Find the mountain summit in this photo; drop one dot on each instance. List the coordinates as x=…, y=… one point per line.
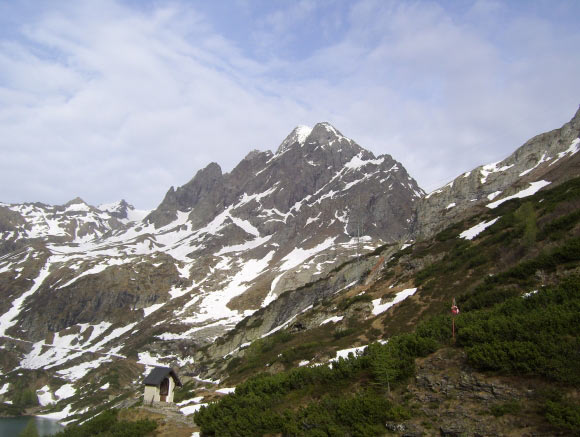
x=219, y=247
x=230, y=258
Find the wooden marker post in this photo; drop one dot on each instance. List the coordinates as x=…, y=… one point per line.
x=454, y=312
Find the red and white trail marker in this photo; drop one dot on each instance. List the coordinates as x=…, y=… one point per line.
x=454, y=312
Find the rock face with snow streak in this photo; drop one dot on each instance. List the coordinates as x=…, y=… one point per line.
x=551, y=156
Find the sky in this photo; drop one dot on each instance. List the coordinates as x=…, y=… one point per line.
x=112, y=99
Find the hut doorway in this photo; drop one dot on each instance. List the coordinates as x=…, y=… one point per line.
x=164, y=389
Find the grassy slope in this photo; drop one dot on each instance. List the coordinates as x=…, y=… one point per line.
x=534, y=246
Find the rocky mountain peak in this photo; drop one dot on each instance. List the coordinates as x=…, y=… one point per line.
x=123, y=211
x=77, y=205
x=206, y=185
x=324, y=133
x=321, y=135
x=75, y=201
x=297, y=136
x=254, y=154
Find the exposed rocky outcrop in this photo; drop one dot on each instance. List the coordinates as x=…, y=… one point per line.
x=455, y=400
x=531, y=162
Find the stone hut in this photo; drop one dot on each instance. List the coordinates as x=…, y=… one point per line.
x=160, y=385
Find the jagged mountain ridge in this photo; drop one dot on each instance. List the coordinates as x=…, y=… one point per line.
x=74, y=222
x=213, y=252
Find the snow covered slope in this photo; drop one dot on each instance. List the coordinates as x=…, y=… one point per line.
x=84, y=287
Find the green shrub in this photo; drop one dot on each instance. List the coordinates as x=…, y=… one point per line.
x=557, y=228
x=537, y=335
x=509, y=407
x=24, y=397
x=564, y=415
x=344, y=304
x=106, y=424
x=338, y=334
x=526, y=216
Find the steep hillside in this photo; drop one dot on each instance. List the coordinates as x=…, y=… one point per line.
x=86, y=288
x=290, y=260
x=515, y=271
x=550, y=157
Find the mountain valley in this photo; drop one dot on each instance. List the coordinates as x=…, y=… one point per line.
x=287, y=264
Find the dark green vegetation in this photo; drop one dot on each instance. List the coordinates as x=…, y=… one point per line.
x=30, y=430
x=535, y=245
x=107, y=424
x=185, y=392
x=535, y=335
x=260, y=405
x=23, y=396
x=515, y=337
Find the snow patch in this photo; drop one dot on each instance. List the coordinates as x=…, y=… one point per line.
x=75, y=373
x=357, y=162
x=530, y=191
x=344, y=353
x=572, y=150
x=302, y=133
x=149, y=310
x=313, y=219
x=334, y=319
x=299, y=255
x=379, y=308
x=114, y=334
x=526, y=295
x=8, y=319
x=488, y=169
x=44, y=396
x=65, y=392
x=214, y=305
x=59, y=415
x=226, y=390
x=195, y=400
x=474, y=231
x=190, y=409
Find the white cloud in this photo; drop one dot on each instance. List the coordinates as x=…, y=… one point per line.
x=104, y=101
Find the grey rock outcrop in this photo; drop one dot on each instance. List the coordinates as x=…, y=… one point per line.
x=533, y=161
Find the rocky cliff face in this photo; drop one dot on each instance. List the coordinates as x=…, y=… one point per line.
x=549, y=157
x=88, y=285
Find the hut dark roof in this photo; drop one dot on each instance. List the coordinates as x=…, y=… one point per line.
x=158, y=374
